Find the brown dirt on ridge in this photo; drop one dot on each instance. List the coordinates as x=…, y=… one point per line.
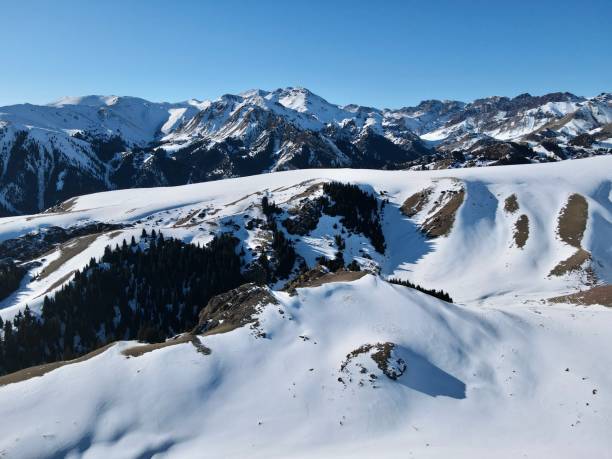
x=317, y=277
x=69, y=249
x=256, y=193
x=441, y=223
x=601, y=294
x=112, y=234
x=62, y=207
x=571, y=225
x=573, y=263
x=312, y=189
x=137, y=351
x=511, y=204
x=57, y=283
x=39, y=370
x=288, y=187
x=521, y=231
x=573, y=219
x=183, y=221
x=415, y=203
x=340, y=276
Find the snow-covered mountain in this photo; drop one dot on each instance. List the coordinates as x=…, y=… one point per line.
x=80, y=145
x=330, y=361
x=555, y=126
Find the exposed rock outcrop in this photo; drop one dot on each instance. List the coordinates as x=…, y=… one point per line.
x=234, y=309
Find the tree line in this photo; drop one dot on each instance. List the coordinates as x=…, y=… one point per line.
x=10, y=277
x=440, y=294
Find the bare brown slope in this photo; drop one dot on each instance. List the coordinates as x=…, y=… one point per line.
x=521, y=231
x=572, y=220
x=319, y=276
x=601, y=294
x=511, y=204
x=68, y=250
x=571, y=226
x=137, y=351
x=415, y=203
x=441, y=223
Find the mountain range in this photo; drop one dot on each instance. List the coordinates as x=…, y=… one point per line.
x=80, y=145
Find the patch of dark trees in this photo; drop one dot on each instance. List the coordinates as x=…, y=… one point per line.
x=359, y=212
x=284, y=255
x=34, y=244
x=355, y=220
x=104, y=147
x=337, y=263
x=149, y=291
x=305, y=218
x=440, y=294
x=10, y=277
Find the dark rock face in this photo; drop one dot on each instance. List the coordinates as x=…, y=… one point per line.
x=506, y=153
x=36, y=176
x=583, y=140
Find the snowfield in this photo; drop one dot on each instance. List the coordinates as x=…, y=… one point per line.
x=500, y=373
x=531, y=383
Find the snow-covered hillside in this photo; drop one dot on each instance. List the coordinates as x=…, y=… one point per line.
x=469, y=383
x=350, y=365
x=81, y=145
x=479, y=261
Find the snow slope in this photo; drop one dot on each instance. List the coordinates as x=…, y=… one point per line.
x=478, y=263
x=478, y=383
x=136, y=120
x=501, y=373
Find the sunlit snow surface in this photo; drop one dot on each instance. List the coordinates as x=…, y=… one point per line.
x=478, y=382
x=500, y=374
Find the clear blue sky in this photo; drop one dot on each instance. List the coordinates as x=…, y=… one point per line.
x=383, y=53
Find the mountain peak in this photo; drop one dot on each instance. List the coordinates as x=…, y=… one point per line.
x=299, y=99
x=89, y=101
